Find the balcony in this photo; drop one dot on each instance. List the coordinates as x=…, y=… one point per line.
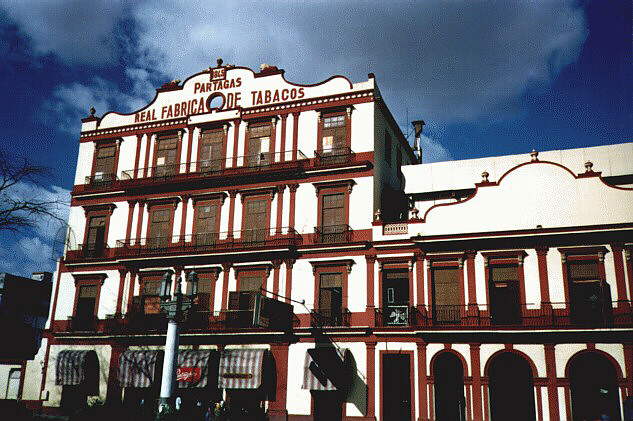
x=208, y=242
x=335, y=156
x=247, y=165
x=400, y=315
x=333, y=234
x=331, y=318
x=88, y=252
x=101, y=181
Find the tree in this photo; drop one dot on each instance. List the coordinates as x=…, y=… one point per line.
x=20, y=206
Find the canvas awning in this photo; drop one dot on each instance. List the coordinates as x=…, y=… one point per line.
x=138, y=368
x=195, y=366
x=75, y=367
x=241, y=368
x=325, y=369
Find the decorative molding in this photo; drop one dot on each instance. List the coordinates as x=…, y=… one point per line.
x=109, y=207
x=334, y=184
x=348, y=263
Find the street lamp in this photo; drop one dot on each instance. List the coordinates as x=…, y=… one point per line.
x=175, y=308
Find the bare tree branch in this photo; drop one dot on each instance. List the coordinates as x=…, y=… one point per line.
x=19, y=210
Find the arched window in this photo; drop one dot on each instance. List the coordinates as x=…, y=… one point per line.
x=594, y=387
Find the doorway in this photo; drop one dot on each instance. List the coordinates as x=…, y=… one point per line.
x=448, y=375
x=594, y=387
x=396, y=387
x=511, y=388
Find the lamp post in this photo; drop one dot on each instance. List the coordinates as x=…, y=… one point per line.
x=175, y=308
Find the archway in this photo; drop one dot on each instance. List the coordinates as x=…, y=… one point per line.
x=511, y=387
x=448, y=378
x=594, y=387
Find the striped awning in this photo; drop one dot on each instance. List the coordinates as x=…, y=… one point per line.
x=74, y=367
x=241, y=368
x=325, y=369
x=194, y=367
x=138, y=368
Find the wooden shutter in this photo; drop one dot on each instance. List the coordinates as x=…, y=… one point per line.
x=255, y=219
x=251, y=283
x=151, y=297
x=206, y=223
x=333, y=210
x=446, y=300
x=166, y=158
x=160, y=228
x=211, y=145
x=86, y=301
x=104, y=164
x=96, y=232
x=584, y=271
x=258, y=145
x=334, y=134
x=330, y=293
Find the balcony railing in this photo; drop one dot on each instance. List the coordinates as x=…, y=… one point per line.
x=101, y=181
x=333, y=234
x=262, y=162
x=210, y=241
x=88, y=251
x=334, y=156
x=399, y=315
x=330, y=317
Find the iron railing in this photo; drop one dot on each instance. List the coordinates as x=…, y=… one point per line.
x=102, y=181
x=88, y=251
x=334, y=156
x=210, y=241
x=331, y=317
x=333, y=234
x=396, y=315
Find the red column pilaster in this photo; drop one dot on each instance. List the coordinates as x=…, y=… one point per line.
x=190, y=131
x=419, y=274
x=472, y=285
x=119, y=299
x=236, y=138
x=183, y=218
x=139, y=226
x=628, y=367
x=541, y=253
x=113, y=394
x=282, y=146
x=422, y=382
x=225, y=285
x=371, y=260
x=476, y=376
x=462, y=281
x=130, y=215
x=289, y=265
x=280, y=204
x=276, y=266
x=130, y=293
x=148, y=146
x=137, y=154
x=371, y=379
x=295, y=135
x=629, y=270
x=277, y=407
x=232, y=195
x=293, y=194
x=552, y=381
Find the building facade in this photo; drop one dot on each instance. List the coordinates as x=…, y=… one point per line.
x=429, y=291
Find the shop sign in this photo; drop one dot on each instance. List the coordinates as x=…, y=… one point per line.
x=188, y=374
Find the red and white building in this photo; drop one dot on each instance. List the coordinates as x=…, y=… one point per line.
x=505, y=294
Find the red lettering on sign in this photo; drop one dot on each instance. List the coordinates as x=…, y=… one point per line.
x=188, y=374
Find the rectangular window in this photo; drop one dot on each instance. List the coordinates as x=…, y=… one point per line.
x=205, y=229
x=166, y=156
x=255, y=220
x=211, y=145
x=387, y=147
x=446, y=300
x=160, y=228
x=395, y=290
x=334, y=135
x=86, y=307
x=95, y=237
x=258, y=145
x=590, y=296
x=505, y=301
x=333, y=218
x=104, y=164
x=331, y=298
x=242, y=302
x=150, y=296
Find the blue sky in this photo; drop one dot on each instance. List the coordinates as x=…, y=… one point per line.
x=489, y=78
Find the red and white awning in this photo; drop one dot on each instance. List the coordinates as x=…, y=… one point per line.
x=138, y=368
x=74, y=367
x=241, y=368
x=325, y=369
x=194, y=367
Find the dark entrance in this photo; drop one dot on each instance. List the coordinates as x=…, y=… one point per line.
x=328, y=405
x=449, y=388
x=396, y=387
x=511, y=388
x=395, y=296
x=594, y=388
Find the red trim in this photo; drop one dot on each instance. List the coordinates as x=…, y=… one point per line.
x=183, y=216
x=148, y=146
x=225, y=285
x=628, y=366
x=130, y=216
x=411, y=385
x=139, y=223
x=470, y=268
x=613, y=361
x=289, y=265
x=280, y=202
x=370, y=260
x=514, y=351
x=95, y=280
x=236, y=137
x=276, y=265
x=190, y=130
x=232, y=195
x=119, y=299
x=282, y=146
x=419, y=268
x=137, y=154
x=371, y=378
x=293, y=199
x=277, y=406
x=552, y=386
x=629, y=269
x=113, y=390
x=475, y=368
x=295, y=134
x=541, y=253
x=130, y=293
x=422, y=382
